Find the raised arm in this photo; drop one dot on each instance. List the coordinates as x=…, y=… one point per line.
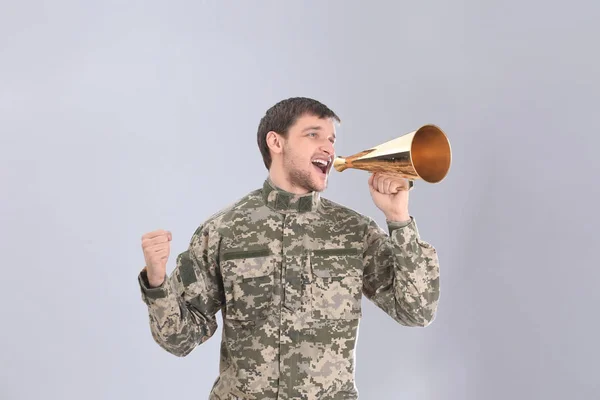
x=182, y=308
x=401, y=274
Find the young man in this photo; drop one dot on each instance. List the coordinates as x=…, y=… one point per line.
x=287, y=268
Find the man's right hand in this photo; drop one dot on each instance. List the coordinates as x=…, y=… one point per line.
x=157, y=247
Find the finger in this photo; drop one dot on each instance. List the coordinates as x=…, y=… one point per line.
x=374, y=180
x=153, y=234
x=381, y=185
x=160, y=253
x=160, y=256
x=156, y=240
x=400, y=185
x=383, y=181
x=157, y=247
x=389, y=185
x=156, y=233
x=149, y=252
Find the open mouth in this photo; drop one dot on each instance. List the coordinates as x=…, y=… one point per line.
x=321, y=164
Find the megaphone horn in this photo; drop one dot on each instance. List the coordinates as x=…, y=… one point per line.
x=423, y=154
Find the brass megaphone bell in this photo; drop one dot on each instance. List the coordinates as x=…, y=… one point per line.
x=422, y=154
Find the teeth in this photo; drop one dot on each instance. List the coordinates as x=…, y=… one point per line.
x=322, y=162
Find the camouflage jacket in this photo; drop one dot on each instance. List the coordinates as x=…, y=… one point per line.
x=288, y=274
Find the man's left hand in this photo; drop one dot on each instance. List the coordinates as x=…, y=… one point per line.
x=393, y=204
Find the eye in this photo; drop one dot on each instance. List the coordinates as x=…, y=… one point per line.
x=313, y=134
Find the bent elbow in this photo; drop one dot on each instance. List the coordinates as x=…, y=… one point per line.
x=426, y=321
x=178, y=350
x=422, y=321
x=420, y=317
x=428, y=314
x=179, y=345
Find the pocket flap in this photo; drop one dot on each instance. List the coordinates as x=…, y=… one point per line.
x=247, y=263
x=327, y=263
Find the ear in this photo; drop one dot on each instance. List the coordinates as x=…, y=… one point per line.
x=275, y=142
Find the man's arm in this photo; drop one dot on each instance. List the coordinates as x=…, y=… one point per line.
x=182, y=309
x=401, y=274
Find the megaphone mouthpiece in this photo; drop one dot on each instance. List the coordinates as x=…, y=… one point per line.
x=339, y=164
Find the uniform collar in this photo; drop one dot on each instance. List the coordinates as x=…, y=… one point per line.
x=283, y=201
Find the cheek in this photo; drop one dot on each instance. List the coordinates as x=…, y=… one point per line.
x=300, y=158
x=293, y=159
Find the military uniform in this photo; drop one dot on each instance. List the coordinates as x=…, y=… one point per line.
x=288, y=273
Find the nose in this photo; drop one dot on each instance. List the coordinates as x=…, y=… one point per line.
x=328, y=148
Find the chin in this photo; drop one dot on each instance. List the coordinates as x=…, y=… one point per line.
x=309, y=182
x=320, y=185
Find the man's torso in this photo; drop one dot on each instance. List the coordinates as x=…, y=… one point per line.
x=292, y=280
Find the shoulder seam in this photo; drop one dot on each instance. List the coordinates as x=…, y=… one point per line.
x=330, y=203
x=232, y=206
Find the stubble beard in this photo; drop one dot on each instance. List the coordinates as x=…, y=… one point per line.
x=299, y=177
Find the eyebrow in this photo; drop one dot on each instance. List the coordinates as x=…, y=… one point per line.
x=318, y=128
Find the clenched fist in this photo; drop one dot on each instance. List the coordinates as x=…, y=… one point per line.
x=390, y=194
x=157, y=247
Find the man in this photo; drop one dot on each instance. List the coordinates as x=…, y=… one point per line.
x=288, y=268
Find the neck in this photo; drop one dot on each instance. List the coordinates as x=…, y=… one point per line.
x=280, y=179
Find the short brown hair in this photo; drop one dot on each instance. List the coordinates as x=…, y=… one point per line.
x=283, y=115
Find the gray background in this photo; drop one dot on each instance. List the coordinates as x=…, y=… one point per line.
x=122, y=117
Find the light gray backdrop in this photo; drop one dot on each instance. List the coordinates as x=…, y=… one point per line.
x=122, y=117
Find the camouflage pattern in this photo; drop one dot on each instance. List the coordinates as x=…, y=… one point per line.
x=288, y=274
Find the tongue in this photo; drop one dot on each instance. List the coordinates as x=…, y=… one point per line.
x=319, y=167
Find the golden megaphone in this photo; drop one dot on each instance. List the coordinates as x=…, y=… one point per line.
x=422, y=154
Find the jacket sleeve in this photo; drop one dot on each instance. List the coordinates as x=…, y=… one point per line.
x=182, y=310
x=401, y=274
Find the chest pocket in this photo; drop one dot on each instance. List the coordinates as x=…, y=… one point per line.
x=248, y=282
x=336, y=283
